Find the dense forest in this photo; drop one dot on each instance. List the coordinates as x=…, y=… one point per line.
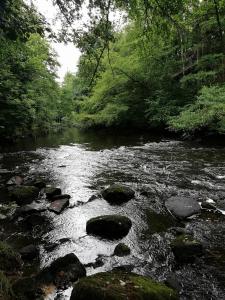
x=163, y=68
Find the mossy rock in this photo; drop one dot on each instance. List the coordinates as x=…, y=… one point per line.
x=10, y=261
x=185, y=248
x=122, y=250
x=121, y=286
x=159, y=222
x=117, y=194
x=110, y=227
x=24, y=194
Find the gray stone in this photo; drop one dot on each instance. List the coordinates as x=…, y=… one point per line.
x=182, y=207
x=59, y=205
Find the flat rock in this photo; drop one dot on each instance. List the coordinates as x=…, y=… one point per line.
x=30, y=209
x=182, y=207
x=60, y=197
x=120, y=286
x=58, y=206
x=118, y=194
x=52, y=191
x=110, y=227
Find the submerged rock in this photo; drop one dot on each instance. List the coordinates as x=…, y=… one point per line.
x=10, y=261
x=120, y=286
x=185, y=248
x=62, y=271
x=182, y=207
x=29, y=252
x=122, y=250
x=52, y=191
x=117, y=194
x=59, y=205
x=24, y=194
x=110, y=226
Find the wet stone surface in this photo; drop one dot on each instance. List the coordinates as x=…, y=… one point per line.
x=83, y=165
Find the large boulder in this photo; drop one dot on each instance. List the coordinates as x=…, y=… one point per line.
x=122, y=250
x=110, y=227
x=183, y=207
x=185, y=248
x=117, y=194
x=24, y=194
x=10, y=261
x=121, y=286
x=62, y=271
x=29, y=252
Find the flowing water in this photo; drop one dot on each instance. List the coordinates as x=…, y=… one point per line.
x=82, y=164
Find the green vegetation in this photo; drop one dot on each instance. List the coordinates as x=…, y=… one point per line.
x=161, y=69
x=10, y=261
x=5, y=287
x=164, y=69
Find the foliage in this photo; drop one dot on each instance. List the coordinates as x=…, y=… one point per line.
x=5, y=287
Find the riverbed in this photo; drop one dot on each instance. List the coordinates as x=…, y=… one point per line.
x=156, y=168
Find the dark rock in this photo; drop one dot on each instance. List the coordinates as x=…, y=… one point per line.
x=35, y=220
x=117, y=194
x=24, y=194
x=40, y=184
x=159, y=222
x=29, y=252
x=120, y=286
x=10, y=261
x=62, y=271
x=207, y=205
x=59, y=205
x=60, y=197
x=51, y=246
x=122, y=250
x=97, y=264
x=52, y=191
x=124, y=268
x=182, y=207
x=16, y=180
x=185, y=248
x=27, y=288
x=64, y=240
x=30, y=209
x=110, y=227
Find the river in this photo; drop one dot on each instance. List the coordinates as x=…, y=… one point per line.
x=82, y=164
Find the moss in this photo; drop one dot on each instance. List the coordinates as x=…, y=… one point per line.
x=9, y=259
x=158, y=222
x=5, y=287
x=117, y=194
x=121, y=286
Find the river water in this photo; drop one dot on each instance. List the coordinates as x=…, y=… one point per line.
x=82, y=164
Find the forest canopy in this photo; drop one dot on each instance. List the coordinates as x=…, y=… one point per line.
x=163, y=68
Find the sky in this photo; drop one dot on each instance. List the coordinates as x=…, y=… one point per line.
x=68, y=55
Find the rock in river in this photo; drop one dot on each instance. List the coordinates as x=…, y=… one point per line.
x=24, y=194
x=52, y=191
x=117, y=194
x=29, y=252
x=110, y=227
x=122, y=250
x=185, y=248
x=121, y=286
x=59, y=205
x=182, y=207
x=62, y=271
